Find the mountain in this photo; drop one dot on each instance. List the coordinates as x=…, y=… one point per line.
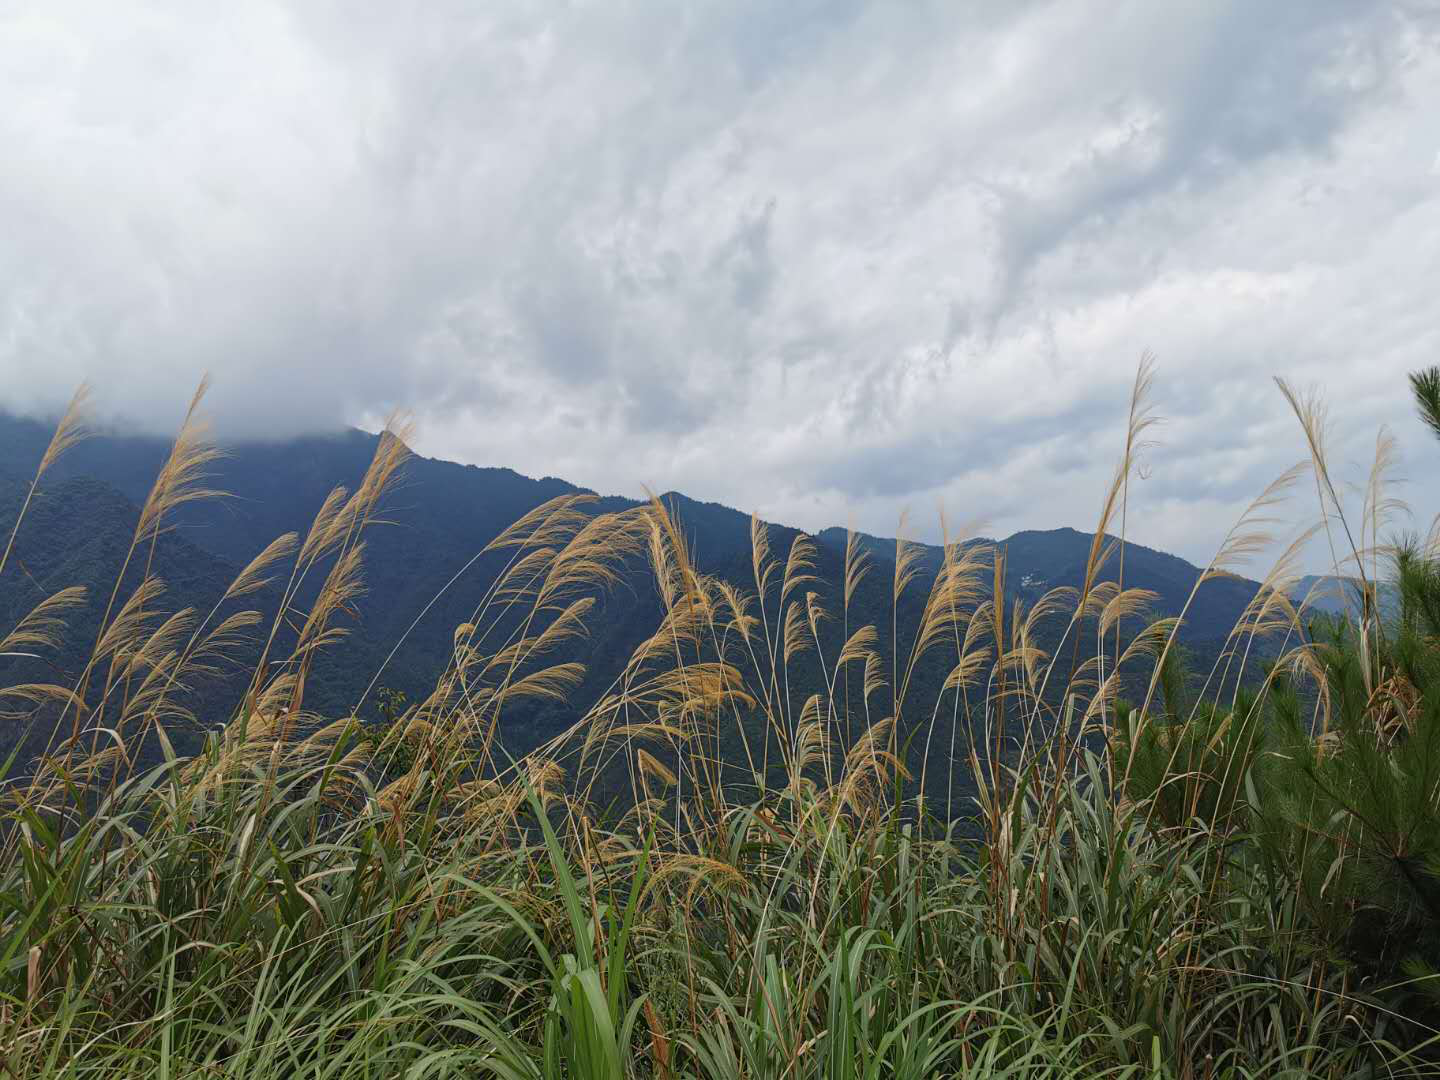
x=76, y=533
x=441, y=515
x=1341, y=596
x=1039, y=560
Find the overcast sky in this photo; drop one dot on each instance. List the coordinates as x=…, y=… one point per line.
x=824, y=261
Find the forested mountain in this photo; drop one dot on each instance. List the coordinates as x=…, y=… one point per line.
x=1039, y=560
x=438, y=517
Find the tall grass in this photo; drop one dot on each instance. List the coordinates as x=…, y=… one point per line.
x=301, y=900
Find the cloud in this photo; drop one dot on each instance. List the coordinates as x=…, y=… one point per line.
x=824, y=261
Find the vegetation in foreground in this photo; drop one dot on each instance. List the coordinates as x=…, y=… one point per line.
x=1221, y=877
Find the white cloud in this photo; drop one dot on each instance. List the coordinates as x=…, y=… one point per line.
x=818, y=260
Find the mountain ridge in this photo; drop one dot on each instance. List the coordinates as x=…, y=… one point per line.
x=278, y=484
x=28, y=437
x=444, y=513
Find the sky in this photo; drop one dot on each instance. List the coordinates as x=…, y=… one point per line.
x=827, y=262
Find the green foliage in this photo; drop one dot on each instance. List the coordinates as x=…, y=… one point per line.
x=1425, y=385
x=387, y=740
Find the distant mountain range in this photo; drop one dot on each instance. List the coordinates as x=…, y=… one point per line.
x=1341, y=596
x=444, y=513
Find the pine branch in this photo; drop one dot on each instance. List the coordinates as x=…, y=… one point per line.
x=1425, y=385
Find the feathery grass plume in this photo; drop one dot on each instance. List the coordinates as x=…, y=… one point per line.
x=1314, y=417
x=1425, y=388
x=811, y=745
x=651, y=767
x=43, y=626
x=951, y=606
x=796, y=640
x=335, y=533
x=566, y=624
x=815, y=614
x=72, y=429
x=761, y=561
x=870, y=767
x=1378, y=510
x=738, y=605
x=1141, y=419
x=907, y=557
x=122, y=634
x=323, y=525
x=799, y=565
x=1253, y=532
x=1125, y=603
x=874, y=676
x=857, y=565
x=343, y=586
x=972, y=663
x=254, y=577
x=182, y=477
x=954, y=595
x=1270, y=614
x=860, y=645
x=1249, y=535
x=1134, y=448
x=37, y=694
x=545, y=525
x=179, y=481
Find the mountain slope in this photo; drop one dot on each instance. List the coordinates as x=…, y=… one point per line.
x=77, y=533
x=422, y=568
x=1039, y=560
